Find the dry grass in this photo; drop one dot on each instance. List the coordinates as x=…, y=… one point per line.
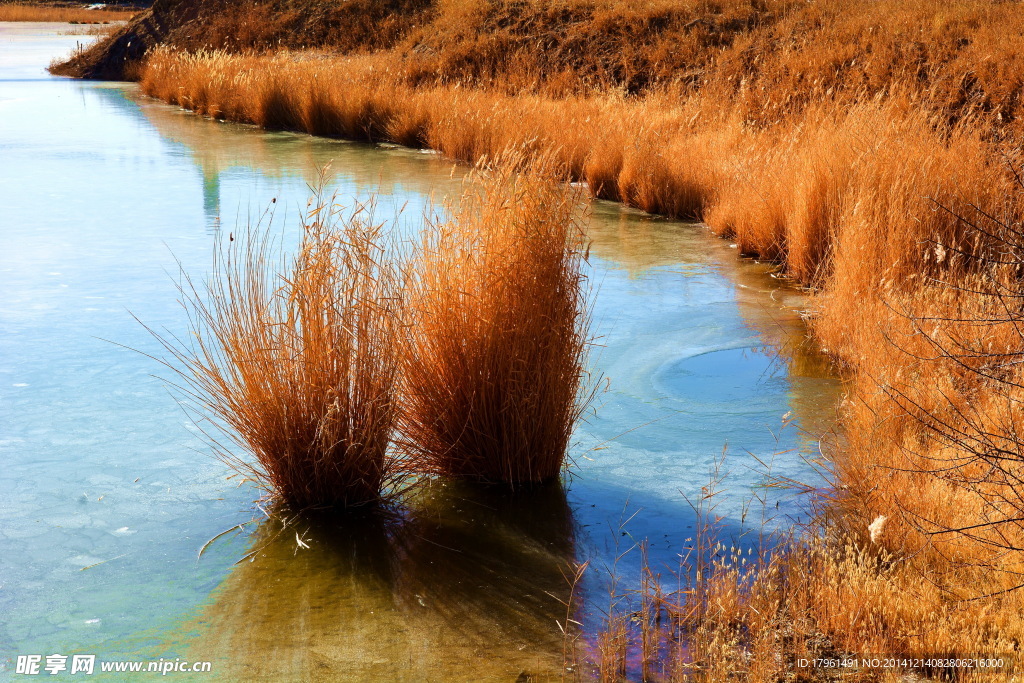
x=298, y=364
x=90, y=30
x=845, y=197
x=768, y=60
x=732, y=614
x=494, y=378
x=755, y=620
x=72, y=15
x=830, y=137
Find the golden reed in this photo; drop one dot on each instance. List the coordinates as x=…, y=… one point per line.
x=297, y=362
x=874, y=179
x=494, y=375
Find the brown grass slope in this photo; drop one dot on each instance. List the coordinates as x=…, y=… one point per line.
x=238, y=26
x=774, y=56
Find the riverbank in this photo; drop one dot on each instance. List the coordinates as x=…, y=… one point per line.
x=60, y=12
x=867, y=148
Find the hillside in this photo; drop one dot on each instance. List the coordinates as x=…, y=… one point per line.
x=961, y=60
x=236, y=27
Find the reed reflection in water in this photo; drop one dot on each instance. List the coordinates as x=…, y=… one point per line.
x=225, y=153
x=466, y=586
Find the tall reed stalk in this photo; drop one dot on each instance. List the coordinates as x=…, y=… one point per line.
x=296, y=362
x=494, y=364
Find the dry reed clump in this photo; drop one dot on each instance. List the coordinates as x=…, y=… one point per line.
x=73, y=15
x=494, y=379
x=298, y=363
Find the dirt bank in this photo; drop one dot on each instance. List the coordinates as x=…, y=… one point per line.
x=238, y=27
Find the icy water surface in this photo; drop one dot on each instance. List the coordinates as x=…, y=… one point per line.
x=109, y=493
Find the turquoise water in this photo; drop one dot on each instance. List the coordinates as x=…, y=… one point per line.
x=110, y=492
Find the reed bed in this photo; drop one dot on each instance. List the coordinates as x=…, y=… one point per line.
x=769, y=59
x=846, y=198
x=875, y=161
x=782, y=193
x=296, y=362
x=72, y=15
x=495, y=379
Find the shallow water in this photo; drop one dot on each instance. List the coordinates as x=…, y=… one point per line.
x=109, y=492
